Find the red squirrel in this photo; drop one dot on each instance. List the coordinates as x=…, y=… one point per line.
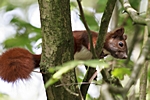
x=114, y=44
x=18, y=63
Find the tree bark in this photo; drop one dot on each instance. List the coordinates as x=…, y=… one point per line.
x=57, y=45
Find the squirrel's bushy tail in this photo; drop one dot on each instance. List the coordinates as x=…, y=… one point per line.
x=16, y=63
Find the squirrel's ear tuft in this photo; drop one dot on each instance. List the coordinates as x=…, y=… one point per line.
x=124, y=37
x=117, y=32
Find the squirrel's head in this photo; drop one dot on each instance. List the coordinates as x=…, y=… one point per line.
x=115, y=43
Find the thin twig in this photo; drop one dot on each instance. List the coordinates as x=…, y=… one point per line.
x=76, y=84
x=87, y=28
x=68, y=90
x=84, y=87
x=104, y=25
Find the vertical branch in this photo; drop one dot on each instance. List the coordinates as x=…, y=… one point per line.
x=90, y=71
x=138, y=65
x=144, y=73
x=143, y=82
x=87, y=28
x=133, y=42
x=104, y=25
x=146, y=48
x=57, y=45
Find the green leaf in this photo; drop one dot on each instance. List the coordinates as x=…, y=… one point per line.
x=16, y=42
x=96, y=63
x=25, y=35
x=120, y=72
x=64, y=68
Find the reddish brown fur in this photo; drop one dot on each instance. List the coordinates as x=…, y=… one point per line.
x=111, y=43
x=81, y=38
x=37, y=59
x=16, y=63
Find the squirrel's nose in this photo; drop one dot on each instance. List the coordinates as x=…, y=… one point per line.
x=125, y=56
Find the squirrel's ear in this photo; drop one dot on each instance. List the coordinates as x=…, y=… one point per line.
x=124, y=37
x=118, y=32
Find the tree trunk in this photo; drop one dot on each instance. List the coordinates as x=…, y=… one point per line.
x=57, y=45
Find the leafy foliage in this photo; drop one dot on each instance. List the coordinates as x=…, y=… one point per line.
x=26, y=35
x=71, y=65
x=120, y=72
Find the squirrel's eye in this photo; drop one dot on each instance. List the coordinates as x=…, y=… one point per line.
x=121, y=44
